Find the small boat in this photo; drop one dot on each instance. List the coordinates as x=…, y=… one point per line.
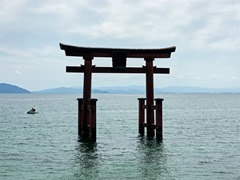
x=32, y=111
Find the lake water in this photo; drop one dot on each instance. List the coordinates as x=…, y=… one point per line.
x=201, y=138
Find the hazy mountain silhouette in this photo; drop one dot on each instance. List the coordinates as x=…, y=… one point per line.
x=141, y=90
x=9, y=88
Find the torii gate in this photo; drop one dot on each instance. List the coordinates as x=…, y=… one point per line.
x=87, y=106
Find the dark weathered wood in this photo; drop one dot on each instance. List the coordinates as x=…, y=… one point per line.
x=111, y=52
x=153, y=125
x=78, y=69
x=80, y=101
x=159, y=122
x=87, y=84
x=141, y=115
x=93, y=128
x=150, y=96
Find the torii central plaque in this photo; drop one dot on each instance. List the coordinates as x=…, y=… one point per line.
x=87, y=106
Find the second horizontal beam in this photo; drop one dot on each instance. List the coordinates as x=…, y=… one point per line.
x=80, y=69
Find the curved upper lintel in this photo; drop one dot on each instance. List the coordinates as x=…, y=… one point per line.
x=71, y=50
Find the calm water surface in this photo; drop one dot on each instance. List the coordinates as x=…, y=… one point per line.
x=201, y=138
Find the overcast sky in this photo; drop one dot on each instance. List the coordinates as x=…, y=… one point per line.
x=205, y=33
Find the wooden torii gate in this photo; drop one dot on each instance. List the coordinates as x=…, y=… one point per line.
x=87, y=106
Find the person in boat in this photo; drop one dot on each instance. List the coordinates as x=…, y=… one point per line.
x=33, y=109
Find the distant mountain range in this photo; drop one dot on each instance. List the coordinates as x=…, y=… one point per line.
x=141, y=90
x=191, y=89
x=8, y=88
x=66, y=90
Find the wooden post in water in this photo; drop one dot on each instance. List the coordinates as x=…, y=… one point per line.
x=141, y=115
x=93, y=128
x=159, y=122
x=80, y=115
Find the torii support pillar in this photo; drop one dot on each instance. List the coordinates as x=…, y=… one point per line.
x=86, y=105
x=87, y=84
x=150, y=96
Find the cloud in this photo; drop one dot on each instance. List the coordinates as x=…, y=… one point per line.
x=10, y=11
x=145, y=20
x=220, y=26
x=234, y=78
x=203, y=24
x=205, y=33
x=18, y=72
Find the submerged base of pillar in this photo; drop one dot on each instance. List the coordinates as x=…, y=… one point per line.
x=150, y=133
x=89, y=132
x=156, y=128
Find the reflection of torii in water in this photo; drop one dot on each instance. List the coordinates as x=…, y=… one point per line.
x=87, y=106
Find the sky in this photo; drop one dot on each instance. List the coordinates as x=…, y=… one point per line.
x=205, y=33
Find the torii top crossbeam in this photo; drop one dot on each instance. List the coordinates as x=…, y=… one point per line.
x=111, y=52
